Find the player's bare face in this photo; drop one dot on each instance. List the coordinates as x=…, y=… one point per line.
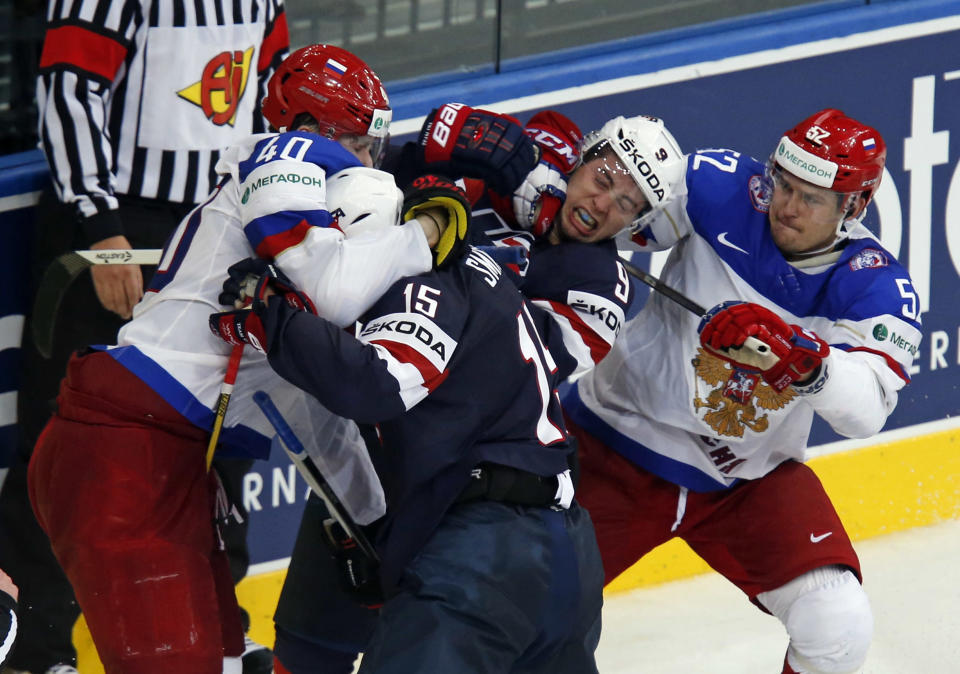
x=360, y=146
x=803, y=217
x=602, y=199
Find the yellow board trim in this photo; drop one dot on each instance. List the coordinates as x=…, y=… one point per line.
x=877, y=490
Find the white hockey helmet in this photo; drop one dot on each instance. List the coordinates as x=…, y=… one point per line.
x=648, y=151
x=363, y=198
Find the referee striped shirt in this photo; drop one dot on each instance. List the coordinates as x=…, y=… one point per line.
x=139, y=97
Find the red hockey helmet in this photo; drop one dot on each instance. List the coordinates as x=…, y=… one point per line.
x=337, y=89
x=832, y=150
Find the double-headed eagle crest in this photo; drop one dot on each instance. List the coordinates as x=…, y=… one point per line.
x=733, y=404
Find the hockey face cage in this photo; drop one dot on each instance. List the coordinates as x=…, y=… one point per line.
x=647, y=152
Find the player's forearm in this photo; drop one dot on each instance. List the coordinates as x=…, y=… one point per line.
x=366, y=266
x=853, y=399
x=346, y=376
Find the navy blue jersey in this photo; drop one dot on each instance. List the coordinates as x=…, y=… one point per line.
x=452, y=368
x=582, y=287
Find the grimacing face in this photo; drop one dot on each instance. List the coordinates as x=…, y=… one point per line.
x=602, y=199
x=803, y=216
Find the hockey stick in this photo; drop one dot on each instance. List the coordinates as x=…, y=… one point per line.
x=751, y=343
x=311, y=473
x=226, y=389
x=58, y=277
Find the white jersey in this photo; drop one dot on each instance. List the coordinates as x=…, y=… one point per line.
x=670, y=407
x=293, y=197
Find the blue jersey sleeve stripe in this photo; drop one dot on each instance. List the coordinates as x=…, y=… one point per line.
x=240, y=441
x=278, y=231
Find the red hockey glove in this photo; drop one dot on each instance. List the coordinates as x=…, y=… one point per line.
x=461, y=141
x=433, y=191
x=241, y=326
x=249, y=280
x=782, y=353
x=539, y=197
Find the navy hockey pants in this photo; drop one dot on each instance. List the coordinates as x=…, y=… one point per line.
x=497, y=589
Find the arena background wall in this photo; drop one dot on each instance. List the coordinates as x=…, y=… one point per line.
x=735, y=84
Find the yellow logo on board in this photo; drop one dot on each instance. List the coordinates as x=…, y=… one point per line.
x=221, y=87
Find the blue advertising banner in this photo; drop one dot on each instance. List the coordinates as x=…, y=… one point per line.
x=903, y=80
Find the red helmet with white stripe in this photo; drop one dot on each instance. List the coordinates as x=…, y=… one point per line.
x=337, y=89
x=830, y=149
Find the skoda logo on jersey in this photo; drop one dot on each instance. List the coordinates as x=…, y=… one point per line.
x=880, y=332
x=221, y=86
x=405, y=327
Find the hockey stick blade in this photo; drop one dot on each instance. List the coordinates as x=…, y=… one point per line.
x=58, y=277
x=312, y=475
x=750, y=344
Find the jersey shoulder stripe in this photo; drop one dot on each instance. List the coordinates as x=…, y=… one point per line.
x=272, y=234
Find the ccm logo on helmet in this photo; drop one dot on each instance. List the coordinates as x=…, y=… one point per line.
x=643, y=166
x=556, y=144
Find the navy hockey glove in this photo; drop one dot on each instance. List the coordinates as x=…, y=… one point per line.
x=249, y=280
x=359, y=574
x=433, y=191
x=539, y=197
x=469, y=142
x=240, y=326
x=793, y=353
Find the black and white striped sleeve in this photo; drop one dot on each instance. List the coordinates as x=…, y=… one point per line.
x=85, y=51
x=275, y=47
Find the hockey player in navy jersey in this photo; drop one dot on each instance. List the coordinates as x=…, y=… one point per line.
x=685, y=430
x=571, y=269
x=487, y=562
x=118, y=477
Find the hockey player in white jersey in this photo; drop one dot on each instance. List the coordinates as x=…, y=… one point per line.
x=686, y=432
x=118, y=477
